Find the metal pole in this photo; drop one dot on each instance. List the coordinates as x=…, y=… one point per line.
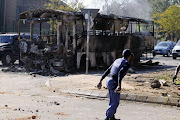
x=4, y=28
x=87, y=49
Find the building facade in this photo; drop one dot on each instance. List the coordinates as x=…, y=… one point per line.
x=10, y=9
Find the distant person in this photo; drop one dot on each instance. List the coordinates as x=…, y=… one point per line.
x=176, y=72
x=117, y=71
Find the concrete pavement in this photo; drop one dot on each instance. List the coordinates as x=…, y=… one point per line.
x=124, y=96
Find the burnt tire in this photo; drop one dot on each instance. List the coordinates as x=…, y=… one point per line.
x=174, y=57
x=7, y=59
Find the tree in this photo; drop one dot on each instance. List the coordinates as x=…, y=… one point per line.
x=74, y=5
x=161, y=5
x=169, y=21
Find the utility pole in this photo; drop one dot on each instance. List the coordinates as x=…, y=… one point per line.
x=87, y=14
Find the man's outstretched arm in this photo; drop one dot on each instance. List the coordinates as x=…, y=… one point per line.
x=103, y=76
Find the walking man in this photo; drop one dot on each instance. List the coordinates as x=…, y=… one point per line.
x=117, y=71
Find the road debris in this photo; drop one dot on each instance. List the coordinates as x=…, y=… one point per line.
x=163, y=82
x=155, y=84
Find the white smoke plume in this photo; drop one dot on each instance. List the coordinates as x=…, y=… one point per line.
x=128, y=8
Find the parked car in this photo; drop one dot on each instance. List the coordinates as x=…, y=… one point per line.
x=176, y=50
x=9, y=48
x=163, y=48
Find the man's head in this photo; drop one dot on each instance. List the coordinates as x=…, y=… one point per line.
x=127, y=54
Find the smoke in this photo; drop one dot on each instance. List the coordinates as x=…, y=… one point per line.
x=129, y=8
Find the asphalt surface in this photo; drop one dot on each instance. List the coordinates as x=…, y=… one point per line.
x=24, y=97
x=63, y=107
x=167, y=61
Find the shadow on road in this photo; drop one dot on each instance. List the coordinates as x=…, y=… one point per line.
x=149, y=69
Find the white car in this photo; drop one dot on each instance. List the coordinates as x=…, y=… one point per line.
x=176, y=50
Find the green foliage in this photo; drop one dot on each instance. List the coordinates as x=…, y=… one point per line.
x=61, y=5
x=169, y=20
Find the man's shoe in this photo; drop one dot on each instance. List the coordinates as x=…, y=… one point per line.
x=113, y=118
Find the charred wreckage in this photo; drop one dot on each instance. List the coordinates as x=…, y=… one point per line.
x=62, y=47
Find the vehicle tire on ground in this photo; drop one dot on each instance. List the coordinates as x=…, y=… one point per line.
x=154, y=54
x=168, y=54
x=7, y=59
x=174, y=57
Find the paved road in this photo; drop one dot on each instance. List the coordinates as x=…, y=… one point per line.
x=23, y=96
x=166, y=60
x=63, y=107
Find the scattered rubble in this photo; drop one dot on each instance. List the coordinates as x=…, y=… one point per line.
x=155, y=84
x=56, y=103
x=164, y=94
x=63, y=114
x=143, y=82
x=163, y=82
x=17, y=68
x=25, y=118
x=149, y=63
x=14, y=68
x=178, y=87
x=33, y=117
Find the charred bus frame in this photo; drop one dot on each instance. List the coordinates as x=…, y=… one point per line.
x=64, y=48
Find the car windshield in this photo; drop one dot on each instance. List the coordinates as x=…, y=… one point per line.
x=6, y=39
x=163, y=44
x=178, y=43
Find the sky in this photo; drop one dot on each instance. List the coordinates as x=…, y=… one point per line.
x=96, y=4
x=132, y=9
x=93, y=3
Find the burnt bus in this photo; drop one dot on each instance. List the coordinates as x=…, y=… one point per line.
x=63, y=46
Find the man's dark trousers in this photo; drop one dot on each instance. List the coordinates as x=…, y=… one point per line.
x=114, y=98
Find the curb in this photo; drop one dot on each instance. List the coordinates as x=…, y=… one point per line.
x=124, y=96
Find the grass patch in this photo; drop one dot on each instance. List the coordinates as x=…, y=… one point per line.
x=165, y=77
x=168, y=78
x=177, y=82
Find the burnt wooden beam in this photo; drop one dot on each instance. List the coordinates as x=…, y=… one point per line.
x=19, y=29
x=31, y=30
